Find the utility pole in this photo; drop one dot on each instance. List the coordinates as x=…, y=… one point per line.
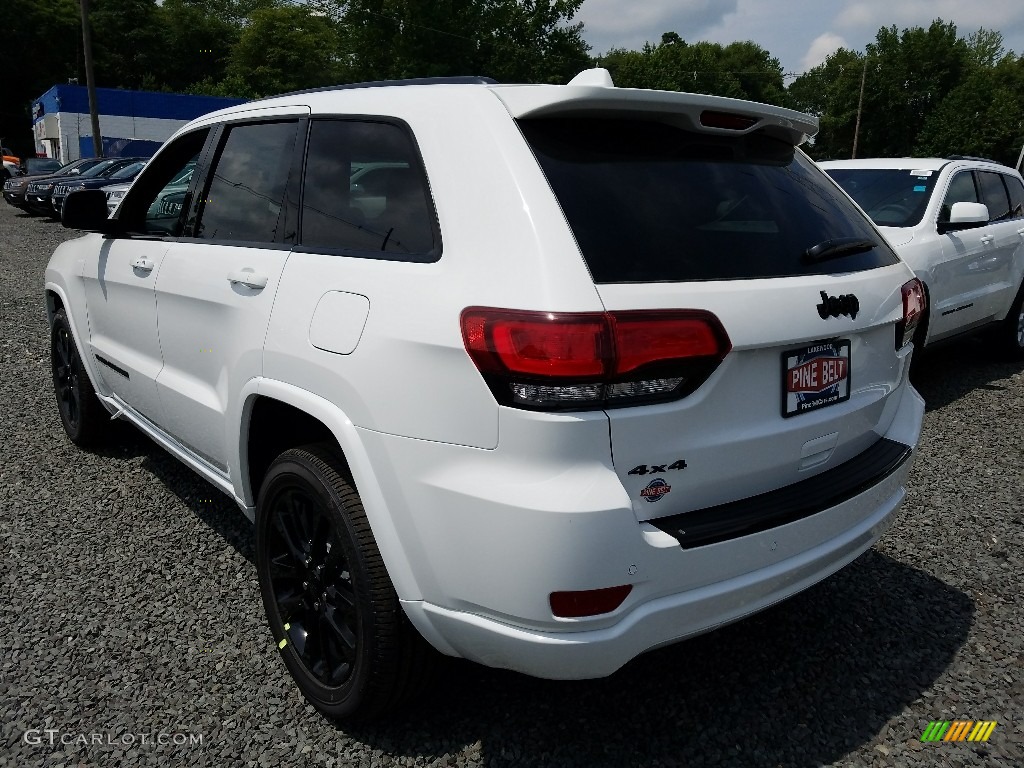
x=860, y=107
x=90, y=80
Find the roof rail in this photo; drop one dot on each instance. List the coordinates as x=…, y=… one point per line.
x=971, y=157
x=461, y=80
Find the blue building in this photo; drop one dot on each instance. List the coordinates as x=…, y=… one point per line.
x=132, y=123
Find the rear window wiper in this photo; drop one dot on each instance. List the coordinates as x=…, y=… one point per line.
x=840, y=246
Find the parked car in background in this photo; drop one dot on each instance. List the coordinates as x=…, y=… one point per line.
x=959, y=223
x=566, y=374
x=167, y=206
x=64, y=188
x=15, y=189
x=40, y=166
x=37, y=194
x=115, y=193
x=10, y=163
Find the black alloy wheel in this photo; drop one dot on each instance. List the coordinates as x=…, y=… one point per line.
x=312, y=586
x=332, y=609
x=81, y=413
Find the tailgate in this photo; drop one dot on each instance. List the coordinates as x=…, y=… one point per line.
x=797, y=395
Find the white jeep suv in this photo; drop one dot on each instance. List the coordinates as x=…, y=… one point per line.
x=538, y=376
x=959, y=224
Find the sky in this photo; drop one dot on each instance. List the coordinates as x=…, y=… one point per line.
x=799, y=33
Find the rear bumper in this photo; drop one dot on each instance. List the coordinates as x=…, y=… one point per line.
x=487, y=569
x=662, y=621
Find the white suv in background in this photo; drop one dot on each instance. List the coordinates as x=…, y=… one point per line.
x=959, y=224
x=539, y=376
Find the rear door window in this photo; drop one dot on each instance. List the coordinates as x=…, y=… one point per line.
x=365, y=193
x=1016, y=190
x=993, y=194
x=650, y=202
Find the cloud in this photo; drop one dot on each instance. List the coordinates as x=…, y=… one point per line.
x=616, y=24
x=821, y=48
x=1006, y=16
x=794, y=31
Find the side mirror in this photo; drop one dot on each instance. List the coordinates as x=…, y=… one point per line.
x=87, y=209
x=965, y=216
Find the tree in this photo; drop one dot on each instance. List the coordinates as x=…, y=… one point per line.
x=906, y=74
x=830, y=92
x=758, y=73
x=284, y=48
x=199, y=42
x=985, y=47
x=129, y=44
x=984, y=116
x=42, y=49
x=509, y=40
x=909, y=74
x=740, y=70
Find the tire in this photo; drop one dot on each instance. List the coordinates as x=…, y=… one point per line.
x=1010, y=334
x=332, y=609
x=82, y=415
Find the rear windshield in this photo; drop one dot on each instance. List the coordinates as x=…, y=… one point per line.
x=649, y=202
x=891, y=197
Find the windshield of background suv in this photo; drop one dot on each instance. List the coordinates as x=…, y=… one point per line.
x=36, y=166
x=891, y=197
x=649, y=202
x=98, y=169
x=128, y=171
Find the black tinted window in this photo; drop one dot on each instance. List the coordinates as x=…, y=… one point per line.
x=244, y=197
x=365, y=191
x=650, y=202
x=993, y=195
x=1016, y=189
x=891, y=197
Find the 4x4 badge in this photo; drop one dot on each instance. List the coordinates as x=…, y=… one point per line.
x=834, y=306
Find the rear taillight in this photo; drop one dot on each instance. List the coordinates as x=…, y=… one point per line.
x=589, y=360
x=914, y=305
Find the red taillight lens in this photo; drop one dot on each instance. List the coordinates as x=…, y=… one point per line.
x=590, y=602
x=576, y=361
x=914, y=305
x=537, y=344
x=642, y=338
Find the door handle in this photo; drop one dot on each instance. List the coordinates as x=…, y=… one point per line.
x=1021, y=231
x=986, y=239
x=248, y=278
x=144, y=264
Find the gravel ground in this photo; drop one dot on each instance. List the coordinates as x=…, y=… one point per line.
x=130, y=608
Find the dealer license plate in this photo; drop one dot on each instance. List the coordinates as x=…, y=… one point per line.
x=815, y=376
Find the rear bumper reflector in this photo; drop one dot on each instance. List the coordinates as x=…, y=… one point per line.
x=786, y=505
